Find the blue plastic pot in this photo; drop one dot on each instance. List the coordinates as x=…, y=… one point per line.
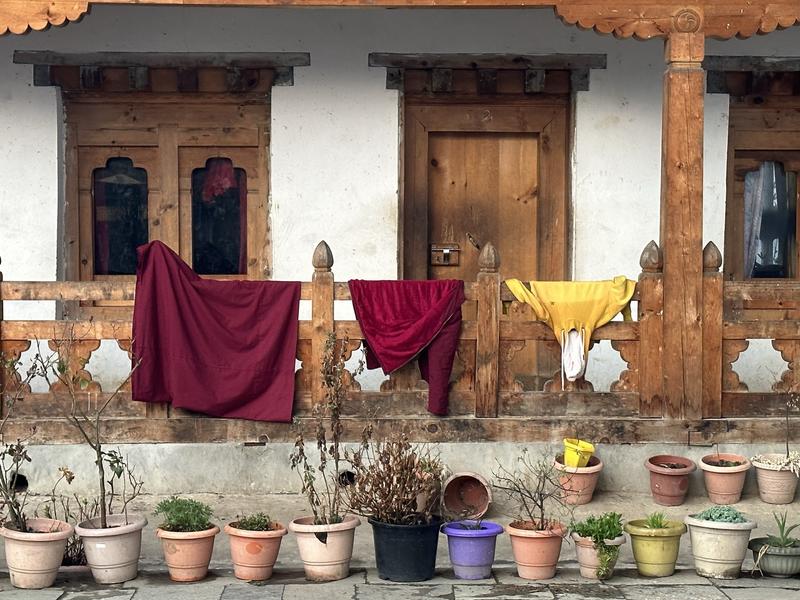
x=471, y=549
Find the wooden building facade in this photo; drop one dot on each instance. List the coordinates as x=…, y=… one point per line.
x=170, y=116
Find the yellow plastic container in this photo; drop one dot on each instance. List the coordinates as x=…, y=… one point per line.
x=577, y=452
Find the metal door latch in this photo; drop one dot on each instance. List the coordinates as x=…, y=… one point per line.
x=445, y=255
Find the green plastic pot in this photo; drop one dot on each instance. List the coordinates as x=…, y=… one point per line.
x=655, y=550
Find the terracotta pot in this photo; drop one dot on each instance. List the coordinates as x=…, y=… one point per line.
x=254, y=552
x=34, y=558
x=325, y=550
x=718, y=548
x=113, y=553
x=467, y=495
x=579, y=483
x=668, y=485
x=724, y=484
x=775, y=485
x=536, y=552
x=776, y=562
x=588, y=558
x=655, y=550
x=187, y=553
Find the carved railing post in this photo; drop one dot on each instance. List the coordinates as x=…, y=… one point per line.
x=321, y=314
x=712, y=331
x=487, y=351
x=651, y=331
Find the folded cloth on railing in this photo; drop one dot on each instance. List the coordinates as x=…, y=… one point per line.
x=403, y=320
x=222, y=348
x=575, y=306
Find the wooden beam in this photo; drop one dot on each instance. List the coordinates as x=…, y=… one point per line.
x=522, y=62
x=761, y=64
x=164, y=60
x=681, y=224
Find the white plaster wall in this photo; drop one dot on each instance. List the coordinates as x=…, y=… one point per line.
x=336, y=133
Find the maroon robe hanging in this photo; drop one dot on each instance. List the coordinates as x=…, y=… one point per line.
x=222, y=348
x=403, y=320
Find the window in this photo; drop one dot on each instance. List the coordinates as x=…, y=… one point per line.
x=761, y=221
x=190, y=171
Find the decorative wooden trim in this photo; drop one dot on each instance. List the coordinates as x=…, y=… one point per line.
x=18, y=16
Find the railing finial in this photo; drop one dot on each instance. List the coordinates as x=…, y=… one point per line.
x=489, y=259
x=651, y=259
x=323, y=257
x=712, y=258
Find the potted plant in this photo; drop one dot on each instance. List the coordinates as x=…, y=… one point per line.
x=389, y=479
x=724, y=476
x=325, y=539
x=655, y=542
x=577, y=452
x=669, y=478
x=579, y=483
x=471, y=544
x=597, y=541
x=719, y=537
x=778, y=555
x=35, y=547
x=187, y=537
x=112, y=541
x=255, y=542
x=534, y=489
x=777, y=474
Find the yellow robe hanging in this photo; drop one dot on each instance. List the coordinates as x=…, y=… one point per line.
x=580, y=305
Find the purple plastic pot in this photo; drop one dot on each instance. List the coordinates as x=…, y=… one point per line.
x=472, y=550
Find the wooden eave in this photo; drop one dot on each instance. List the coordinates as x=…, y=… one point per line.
x=643, y=19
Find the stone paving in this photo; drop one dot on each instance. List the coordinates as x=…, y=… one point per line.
x=364, y=584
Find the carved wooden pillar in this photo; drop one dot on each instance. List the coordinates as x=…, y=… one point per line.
x=651, y=332
x=682, y=217
x=712, y=331
x=321, y=314
x=488, y=342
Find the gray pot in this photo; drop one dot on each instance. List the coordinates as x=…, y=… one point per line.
x=776, y=562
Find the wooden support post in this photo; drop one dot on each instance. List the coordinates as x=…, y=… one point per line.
x=651, y=331
x=682, y=221
x=487, y=345
x=321, y=315
x=712, y=331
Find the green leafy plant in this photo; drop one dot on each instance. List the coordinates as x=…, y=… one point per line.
x=783, y=539
x=656, y=520
x=184, y=514
x=721, y=514
x=607, y=526
x=256, y=522
x=534, y=486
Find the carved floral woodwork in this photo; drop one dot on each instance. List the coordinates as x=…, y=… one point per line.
x=11, y=350
x=18, y=16
x=629, y=378
x=77, y=353
x=731, y=349
x=790, y=352
x=507, y=373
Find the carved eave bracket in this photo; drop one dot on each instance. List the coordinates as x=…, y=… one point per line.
x=18, y=16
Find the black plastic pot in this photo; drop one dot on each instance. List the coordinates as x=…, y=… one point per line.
x=406, y=552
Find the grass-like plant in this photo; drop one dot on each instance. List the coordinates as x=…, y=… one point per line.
x=256, y=522
x=783, y=539
x=184, y=514
x=721, y=514
x=656, y=520
x=607, y=526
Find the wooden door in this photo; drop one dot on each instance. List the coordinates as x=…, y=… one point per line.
x=479, y=173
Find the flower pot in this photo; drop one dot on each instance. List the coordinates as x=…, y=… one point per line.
x=776, y=485
x=718, y=548
x=34, y=557
x=472, y=550
x=254, y=552
x=669, y=478
x=589, y=558
x=405, y=553
x=724, y=484
x=579, y=483
x=325, y=550
x=113, y=553
x=775, y=562
x=535, y=552
x=655, y=550
x=187, y=553
x=467, y=495
x=577, y=452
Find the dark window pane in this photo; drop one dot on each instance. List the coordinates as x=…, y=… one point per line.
x=219, y=218
x=119, y=191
